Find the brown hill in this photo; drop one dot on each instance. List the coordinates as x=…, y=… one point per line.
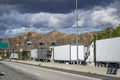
x=55, y=36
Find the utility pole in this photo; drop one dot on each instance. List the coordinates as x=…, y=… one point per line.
x=110, y=31
x=77, y=30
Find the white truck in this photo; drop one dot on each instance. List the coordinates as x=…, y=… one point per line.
x=38, y=54
x=104, y=51
x=68, y=53
x=13, y=56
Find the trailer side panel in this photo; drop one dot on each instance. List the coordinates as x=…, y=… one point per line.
x=62, y=53
x=107, y=50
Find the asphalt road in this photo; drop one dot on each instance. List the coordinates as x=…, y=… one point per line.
x=17, y=71
x=12, y=74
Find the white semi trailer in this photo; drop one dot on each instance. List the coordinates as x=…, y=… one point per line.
x=68, y=53
x=38, y=54
x=13, y=56
x=104, y=51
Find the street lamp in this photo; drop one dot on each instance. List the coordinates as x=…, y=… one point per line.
x=53, y=44
x=77, y=30
x=29, y=43
x=21, y=50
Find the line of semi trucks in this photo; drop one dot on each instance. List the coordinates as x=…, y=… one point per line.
x=100, y=52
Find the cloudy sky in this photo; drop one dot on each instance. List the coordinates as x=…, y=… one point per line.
x=43, y=16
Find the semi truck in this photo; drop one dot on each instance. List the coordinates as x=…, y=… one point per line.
x=104, y=52
x=38, y=54
x=68, y=53
x=13, y=56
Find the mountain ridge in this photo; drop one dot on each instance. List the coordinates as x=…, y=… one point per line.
x=58, y=37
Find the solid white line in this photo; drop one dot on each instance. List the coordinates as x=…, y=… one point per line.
x=23, y=69
x=37, y=74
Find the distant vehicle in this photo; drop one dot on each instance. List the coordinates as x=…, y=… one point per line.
x=29, y=43
x=14, y=56
x=104, y=52
x=68, y=54
x=38, y=54
x=1, y=58
x=2, y=73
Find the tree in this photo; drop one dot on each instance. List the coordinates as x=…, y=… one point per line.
x=107, y=32
x=116, y=32
x=25, y=55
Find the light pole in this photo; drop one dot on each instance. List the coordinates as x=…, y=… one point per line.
x=21, y=50
x=110, y=30
x=28, y=44
x=53, y=44
x=77, y=30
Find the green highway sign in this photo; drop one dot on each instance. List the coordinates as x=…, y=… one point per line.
x=4, y=45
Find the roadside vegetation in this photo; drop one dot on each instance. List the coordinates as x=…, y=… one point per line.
x=108, y=33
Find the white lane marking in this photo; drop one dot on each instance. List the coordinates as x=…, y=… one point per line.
x=37, y=74
x=23, y=69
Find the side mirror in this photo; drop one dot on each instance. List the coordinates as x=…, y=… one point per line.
x=2, y=74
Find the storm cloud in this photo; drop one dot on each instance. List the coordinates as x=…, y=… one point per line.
x=53, y=6
x=42, y=16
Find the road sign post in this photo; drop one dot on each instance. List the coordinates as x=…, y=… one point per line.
x=21, y=50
